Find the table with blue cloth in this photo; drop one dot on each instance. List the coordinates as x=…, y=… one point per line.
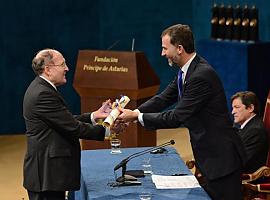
x=98, y=174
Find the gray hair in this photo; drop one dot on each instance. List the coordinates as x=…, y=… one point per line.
x=42, y=58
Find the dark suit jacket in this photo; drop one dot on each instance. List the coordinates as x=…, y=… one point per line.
x=203, y=110
x=255, y=140
x=52, y=160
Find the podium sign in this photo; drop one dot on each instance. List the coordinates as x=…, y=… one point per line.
x=102, y=75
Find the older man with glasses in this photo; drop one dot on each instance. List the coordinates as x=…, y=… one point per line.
x=52, y=159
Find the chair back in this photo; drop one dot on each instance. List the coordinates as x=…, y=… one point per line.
x=266, y=122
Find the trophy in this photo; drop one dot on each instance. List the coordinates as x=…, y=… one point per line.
x=253, y=25
x=237, y=22
x=228, y=23
x=221, y=22
x=245, y=25
x=214, y=21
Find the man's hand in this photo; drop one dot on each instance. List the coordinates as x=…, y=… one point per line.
x=103, y=111
x=127, y=115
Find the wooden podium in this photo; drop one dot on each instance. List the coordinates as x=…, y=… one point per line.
x=102, y=75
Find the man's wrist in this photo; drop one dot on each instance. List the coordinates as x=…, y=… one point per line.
x=136, y=115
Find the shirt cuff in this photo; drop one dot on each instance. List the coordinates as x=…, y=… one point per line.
x=107, y=132
x=107, y=129
x=92, y=119
x=140, y=117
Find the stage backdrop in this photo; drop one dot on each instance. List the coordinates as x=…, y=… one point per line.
x=71, y=25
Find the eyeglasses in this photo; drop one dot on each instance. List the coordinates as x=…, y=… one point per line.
x=64, y=64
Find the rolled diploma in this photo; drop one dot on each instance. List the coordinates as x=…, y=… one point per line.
x=115, y=112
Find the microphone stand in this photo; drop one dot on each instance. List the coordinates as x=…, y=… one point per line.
x=125, y=177
x=123, y=164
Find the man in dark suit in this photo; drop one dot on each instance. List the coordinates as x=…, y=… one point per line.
x=52, y=159
x=245, y=110
x=201, y=107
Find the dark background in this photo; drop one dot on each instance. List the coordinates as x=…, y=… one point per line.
x=72, y=25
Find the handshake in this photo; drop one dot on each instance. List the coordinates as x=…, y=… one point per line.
x=114, y=116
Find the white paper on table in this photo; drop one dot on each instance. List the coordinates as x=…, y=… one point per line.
x=175, y=182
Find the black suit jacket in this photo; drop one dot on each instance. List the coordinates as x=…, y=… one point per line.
x=203, y=110
x=255, y=140
x=52, y=159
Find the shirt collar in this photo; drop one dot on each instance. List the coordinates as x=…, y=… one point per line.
x=186, y=66
x=48, y=82
x=245, y=123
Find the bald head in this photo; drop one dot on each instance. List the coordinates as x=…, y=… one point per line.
x=42, y=58
x=51, y=65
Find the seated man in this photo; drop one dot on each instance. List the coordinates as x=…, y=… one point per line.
x=245, y=110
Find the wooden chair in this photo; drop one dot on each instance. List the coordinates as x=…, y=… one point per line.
x=192, y=164
x=257, y=185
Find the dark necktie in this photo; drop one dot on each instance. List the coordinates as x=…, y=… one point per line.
x=180, y=83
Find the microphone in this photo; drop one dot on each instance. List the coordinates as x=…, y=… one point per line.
x=132, y=45
x=113, y=45
x=124, y=162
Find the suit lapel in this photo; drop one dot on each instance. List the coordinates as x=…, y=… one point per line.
x=191, y=69
x=250, y=123
x=50, y=87
x=61, y=98
x=44, y=82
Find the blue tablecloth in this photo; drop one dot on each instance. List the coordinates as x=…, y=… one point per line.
x=97, y=174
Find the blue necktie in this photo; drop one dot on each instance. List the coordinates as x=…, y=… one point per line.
x=180, y=83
